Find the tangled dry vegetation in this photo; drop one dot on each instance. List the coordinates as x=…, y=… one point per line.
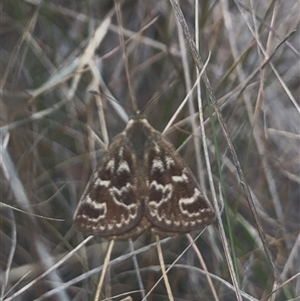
x=55, y=127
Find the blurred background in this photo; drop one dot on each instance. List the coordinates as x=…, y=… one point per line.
x=61, y=66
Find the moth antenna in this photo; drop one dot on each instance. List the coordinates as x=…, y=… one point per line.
x=142, y=111
x=157, y=95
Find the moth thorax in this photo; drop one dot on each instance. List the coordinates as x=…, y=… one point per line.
x=138, y=139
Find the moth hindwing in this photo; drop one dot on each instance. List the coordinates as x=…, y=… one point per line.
x=142, y=182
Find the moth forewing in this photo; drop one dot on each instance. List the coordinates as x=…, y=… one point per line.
x=111, y=204
x=174, y=203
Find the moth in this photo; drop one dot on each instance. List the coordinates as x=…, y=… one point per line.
x=141, y=183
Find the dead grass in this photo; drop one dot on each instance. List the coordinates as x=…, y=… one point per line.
x=54, y=131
